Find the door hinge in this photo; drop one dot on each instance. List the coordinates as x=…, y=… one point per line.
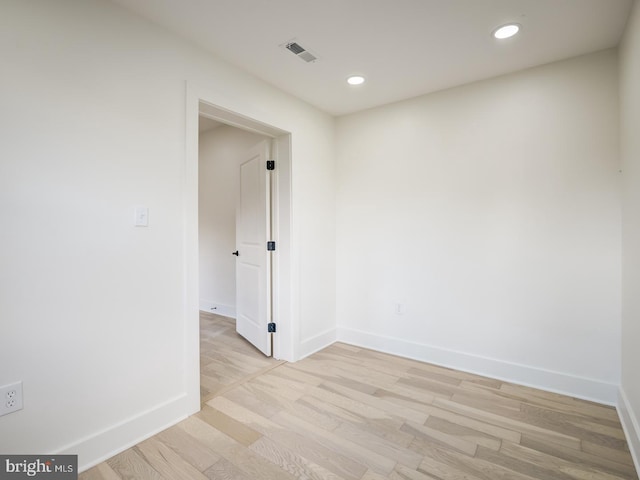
x=271, y=327
x=271, y=246
x=271, y=164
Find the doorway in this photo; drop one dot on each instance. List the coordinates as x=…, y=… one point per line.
x=200, y=104
x=221, y=150
x=234, y=220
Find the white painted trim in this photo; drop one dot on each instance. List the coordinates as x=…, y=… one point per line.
x=218, y=308
x=282, y=258
x=237, y=112
x=631, y=426
x=317, y=342
x=191, y=292
x=117, y=438
x=566, y=384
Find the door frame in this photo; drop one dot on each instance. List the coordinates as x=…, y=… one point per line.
x=201, y=101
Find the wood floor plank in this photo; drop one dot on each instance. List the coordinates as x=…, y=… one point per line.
x=427, y=370
x=102, y=471
x=225, y=470
x=576, y=426
x=340, y=410
x=301, y=409
x=351, y=405
x=428, y=434
x=508, y=423
x=412, y=394
x=241, y=415
x=355, y=370
x=221, y=346
x=446, y=463
x=223, y=388
x=129, y=465
x=240, y=432
x=466, y=433
x=291, y=389
x=255, y=399
x=538, y=465
x=291, y=462
x=340, y=465
x=556, y=464
x=618, y=455
x=379, y=444
x=250, y=463
x=303, y=446
x=366, y=384
x=344, y=347
x=604, y=463
x=404, y=473
x=298, y=375
x=506, y=407
x=386, y=428
x=603, y=414
x=458, y=419
x=375, y=363
x=445, y=471
x=371, y=365
x=412, y=414
x=198, y=454
x=592, y=409
x=436, y=388
x=351, y=413
x=376, y=462
x=167, y=462
x=373, y=476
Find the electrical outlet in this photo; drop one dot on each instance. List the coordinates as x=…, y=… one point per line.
x=10, y=398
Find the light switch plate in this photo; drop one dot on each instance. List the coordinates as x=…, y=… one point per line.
x=142, y=217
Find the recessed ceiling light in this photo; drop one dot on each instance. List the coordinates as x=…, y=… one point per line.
x=355, y=80
x=506, y=31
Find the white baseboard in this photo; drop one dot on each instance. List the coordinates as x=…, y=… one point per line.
x=317, y=343
x=557, y=382
x=115, y=439
x=630, y=425
x=218, y=308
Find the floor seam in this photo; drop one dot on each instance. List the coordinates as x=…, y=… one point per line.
x=240, y=382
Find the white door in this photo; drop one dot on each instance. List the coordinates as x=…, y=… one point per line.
x=253, y=264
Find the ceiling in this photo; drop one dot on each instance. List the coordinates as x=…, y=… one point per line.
x=404, y=48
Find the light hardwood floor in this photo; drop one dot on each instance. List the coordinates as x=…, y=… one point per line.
x=225, y=357
x=351, y=413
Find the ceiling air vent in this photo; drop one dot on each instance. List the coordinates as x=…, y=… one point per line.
x=300, y=52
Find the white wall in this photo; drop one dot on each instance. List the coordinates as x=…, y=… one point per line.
x=92, y=123
x=490, y=212
x=630, y=150
x=220, y=153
